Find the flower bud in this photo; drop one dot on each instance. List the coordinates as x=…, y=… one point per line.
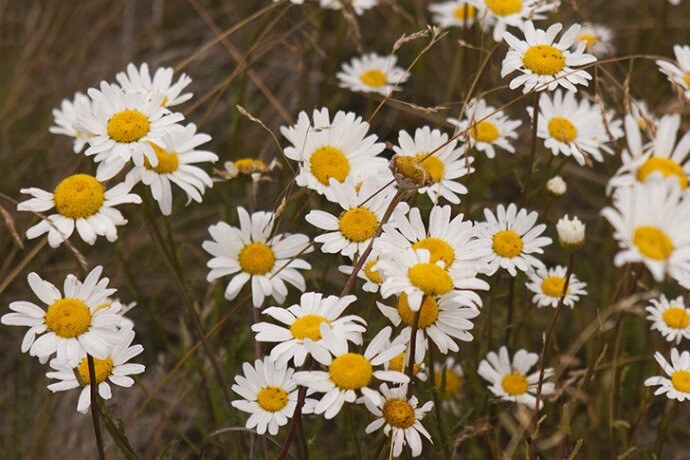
x=571, y=232
x=556, y=186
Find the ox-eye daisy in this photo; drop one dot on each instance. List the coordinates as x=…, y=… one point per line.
x=670, y=317
x=449, y=379
x=679, y=74
x=303, y=321
x=73, y=324
x=400, y=418
x=113, y=369
x=597, y=39
x=545, y=64
x=514, y=237
x=650, y=222
x=548, y=285
x=487, y=129
x=81, y=202
x=359, y=6
x=678, y=385
x=644, y=117
x=500, y=14
x=399, y=362
x=371, y=73
x=455, y=13
x=251, y=253
x=121, y=127
x=140, y=81
x=510, y=380
x=348, y=372
x=573, y=128
x=177, y=156
x=66, y=119
x=369, y=273
x=335, y=149
x=433, y=163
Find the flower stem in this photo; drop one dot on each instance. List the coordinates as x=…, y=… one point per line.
x=533, y=149
x=437, y=406
x=413, y=350
x=93, y=387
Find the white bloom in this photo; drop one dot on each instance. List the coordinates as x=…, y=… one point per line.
x=368, y=273
x=449, y=379
x=571, y=232
x=371, y=73
x=500, y=14
x=66, y=119
x=678, y=75
x=598, y=39
x=678, y=386
x=359, y=6
x=556, y=186
x=140, y=81
x=453, y=13
x=548, y=285
x=670, y=317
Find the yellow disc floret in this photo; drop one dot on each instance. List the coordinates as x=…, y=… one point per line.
x=329, y=162
x=484, y=131
x=589, y=39
x=399, y=362
x=256, y=258
x=681, y=381
x=438, y=250
x=514, y=384
x=68, y=318
x=676, y=317
x=350, y=371
x=128, y=126
x=562, y=129
x=79, y=196
x=453, y=383
x=504, y=7
x=507, y=244
x=103, y=369
x=249, y=165
x=372, y=275
x=428, y=313
x=168, y=162
x=423, y=169
x=553, y=286
x=544, y=59
x=307, y=326
x=666, y=167
x=398, y=413
x=653, y=243
x=358, y=224
x=686, y=79
x=272, y=399
x=430, y=279
x=465, y=11
x=374, y=78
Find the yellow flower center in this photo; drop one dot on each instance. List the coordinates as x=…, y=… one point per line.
x=681, y=381
x=399, y=362
x=653, y=243
x=249, y=165
x=453, y=383
x=438, y=250
x=676, y=318
x=329, y=162
x=350, y=371
x=257, y=258
x=428, y=313
x=79, y=196
x=553, y=286
x=373, y=275
x=686, y=79
x=102, y=367
x=430, y=279
x=459, y=12
x=562, y=129
x=308, y=326
x=544, y=59
x=358, y=224
x=504, y=7
x=420, y=169
x=665, y=166
x=514, y=384
x=168, y=162
x=507, y=244
x=589, y=39
x=484, y=131
x=398, y=413
x=68, y=318
x=374, y=78
x=128, y=126
x=272, y=399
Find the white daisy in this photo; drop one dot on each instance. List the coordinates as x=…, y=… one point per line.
x=514, y=237
x=303, y=321
x=368, y=273
x=598, y=39
x=645, y=118
x=678, y=386
x=122, y=126
x=81, y=202
x=348, y=372
x=177, y=156
x=140, y=81
x=73, y=323
x=449, y=379
x=250, y=252
x=399, y=362
x=333, y=150
x=114, y=369
x=544, y=64
x=500, y=14
x=359, y=6
x=510, y=380
x=371, y=73
x=678, y=73
x=486, y=128
x=431, y=160
x=400, y=418
x=670, y=317
x=575, y=128
x=548, y=285
x=65, y=119
x=650, y=222
x=454, y=13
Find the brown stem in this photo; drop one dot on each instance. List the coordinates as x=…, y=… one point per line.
x=413, y=349
x=533, y=149
x=93, y=387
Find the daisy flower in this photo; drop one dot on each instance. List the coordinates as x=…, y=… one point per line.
x=122, y=126
x=500, y=14
x=430, y=160
x=510, y=379
x=449, y=379
x=368, y=273
x=177, y=158
x=411, y=272
x=575, y=128
x=140, y=81
x=348, y=372
x=65, y=119
x=455, y=13
x=251, y=253
x=650, y=222
x=371, y=73
x=359, y=6
x=269, y=394
x=543, y=63
x=335, y=149
x=400, y=418
x=252, y=167
x=487, y=129
x=645, y=118
x=73, y=323
x=514, y=237
x=399, y=362
x=670, y=317
x=678, y=386
x=678, y=75
x=303, y=321
x=114, y=369
x=363, y=204
x=598, y=39
x=548, y=285
x=81, y=202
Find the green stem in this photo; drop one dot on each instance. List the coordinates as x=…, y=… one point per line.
x=93, y=386
x=533, y=149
